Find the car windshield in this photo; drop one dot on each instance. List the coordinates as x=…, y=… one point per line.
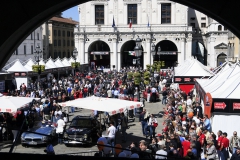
x=84, y=123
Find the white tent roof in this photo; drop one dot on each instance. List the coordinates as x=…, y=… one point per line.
x=226, y=84
x=110, y=105
x=17, y=67
x=193, y=68
x=65, y=62
x=29, y=64
x=50, y=64
x=58, y=63
x=70, y=60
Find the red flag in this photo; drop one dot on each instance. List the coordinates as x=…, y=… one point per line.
x=130, y=24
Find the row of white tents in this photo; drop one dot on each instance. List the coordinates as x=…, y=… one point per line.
x=225, y=84
x=18, y=66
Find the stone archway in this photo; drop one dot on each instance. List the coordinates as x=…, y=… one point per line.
x=168, y=54
x=99, y=54
x=221, y=58
x=128, y=54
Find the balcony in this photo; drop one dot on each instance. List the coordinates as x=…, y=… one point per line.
x=135, y=28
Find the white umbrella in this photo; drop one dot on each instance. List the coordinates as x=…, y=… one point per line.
x=110, y=105
x=11, y=104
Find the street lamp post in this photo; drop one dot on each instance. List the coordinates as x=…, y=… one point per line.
x=138, y=50
x=159, y=52
x=37, y=53
x=75, y=53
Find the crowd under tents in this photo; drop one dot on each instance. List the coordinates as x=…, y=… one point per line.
x=186, y=74
x=220, y=97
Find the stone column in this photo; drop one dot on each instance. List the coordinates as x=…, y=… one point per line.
x=182, y=57
x=81, y=51
x=212, y=61
x=147, y=55
x=173, y=21
x=189, y=46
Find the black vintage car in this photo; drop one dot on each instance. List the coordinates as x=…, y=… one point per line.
x=83, y=130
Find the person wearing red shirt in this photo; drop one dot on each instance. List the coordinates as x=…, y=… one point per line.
x=202, y=138
x=80, y=93
x=224, y=146
x=186, y=145
x=219, y=145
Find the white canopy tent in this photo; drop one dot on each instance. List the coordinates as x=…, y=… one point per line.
x=65, y=62
x=70, y=60
x=50, y=64
x=11, y=104
x=58, y=63
x=112, y=106
x=29, y=64
x=193, y=68
x=17, y=67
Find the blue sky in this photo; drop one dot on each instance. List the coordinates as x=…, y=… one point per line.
x=71, y=12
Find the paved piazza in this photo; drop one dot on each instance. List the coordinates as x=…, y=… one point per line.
x=134, y=134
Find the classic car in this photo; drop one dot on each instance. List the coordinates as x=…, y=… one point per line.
x=82, y=130
x=47, y=132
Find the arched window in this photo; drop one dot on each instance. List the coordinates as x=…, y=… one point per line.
x=220, y=28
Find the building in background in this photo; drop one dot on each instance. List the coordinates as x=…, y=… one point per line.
x=61, y=37
x=26, y=49
x=233, y=47
x=107, y=38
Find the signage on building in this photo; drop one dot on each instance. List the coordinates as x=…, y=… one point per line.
x=236, y=105
x=100, y=53
x=219, y=105
x=178, y=79
x=20, y=74
x=168, y=53
x=187, y=79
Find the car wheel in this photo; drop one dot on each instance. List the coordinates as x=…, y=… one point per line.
x=24, y=145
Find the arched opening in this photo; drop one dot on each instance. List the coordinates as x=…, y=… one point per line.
x=168, y=53
x=221, y=59
x=99, y=54
x=128, y=57
x=219, y=27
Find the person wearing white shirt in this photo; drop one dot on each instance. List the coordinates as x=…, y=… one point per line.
x=57, y=114
x=189, y=101
x=151, y=122
x=111, y=135
x=116, y=93
x=60, y=128
x=154, y=95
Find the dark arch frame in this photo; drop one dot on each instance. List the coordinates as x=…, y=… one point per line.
x=219, y=57
x=21, y=17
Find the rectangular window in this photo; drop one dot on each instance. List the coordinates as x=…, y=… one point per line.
x=99, y=14
x=37, y=36
x=55, y=32
x=25, y=49
x=55, y=55
x=203, y=18
x=64, y=43
x=166, y=13
x=203, y=25
x=132, y=13
x=68, y=43
x=192, y=18
x=192, y=24
x=55, y=42
x=31, y=49
x=68, y=33
x=59, y=33
x=17, y=51
x=59, y=42
x=63, y=33
x=31, y=36
x=72, y=34
x=72, y=43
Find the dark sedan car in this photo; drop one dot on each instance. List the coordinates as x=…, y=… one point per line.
x=47, y=133
x=82, y=130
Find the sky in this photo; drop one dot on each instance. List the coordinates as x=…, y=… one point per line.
x=71, y=12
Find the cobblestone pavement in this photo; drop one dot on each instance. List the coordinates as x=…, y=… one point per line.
x=134, y=133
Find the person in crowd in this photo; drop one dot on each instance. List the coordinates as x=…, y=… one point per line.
x=111, y=132
x=234, y=142
x=236, y=154
x=124, y=126
x=143, y=120
x=152, y=121
x=210, y=150
x=143, y=148
x=60, y=128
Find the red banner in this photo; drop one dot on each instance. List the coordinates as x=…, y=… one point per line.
x=236, y=105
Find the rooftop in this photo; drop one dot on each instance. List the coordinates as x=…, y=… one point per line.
x=64, y=20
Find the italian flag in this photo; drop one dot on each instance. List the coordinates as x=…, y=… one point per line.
x=130, y=23
x=131, y=53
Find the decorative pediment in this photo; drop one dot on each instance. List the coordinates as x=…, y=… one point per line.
x=221, y=46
